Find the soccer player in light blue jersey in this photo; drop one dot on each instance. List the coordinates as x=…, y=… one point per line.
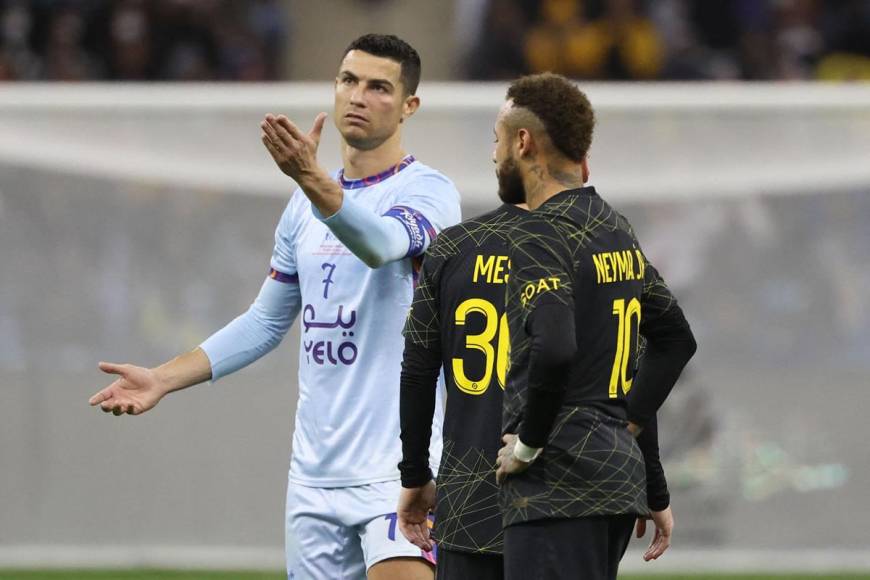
x=344, y=258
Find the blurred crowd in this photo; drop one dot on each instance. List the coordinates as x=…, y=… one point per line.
x=202, y=40
x=674, y=39
x=133, y=40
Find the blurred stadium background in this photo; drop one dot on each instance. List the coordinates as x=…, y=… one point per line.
x=137, y=217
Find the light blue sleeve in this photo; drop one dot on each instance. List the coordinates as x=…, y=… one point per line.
x=257, y=331
x=428, y=204
x=374, y=239
x=262, y=327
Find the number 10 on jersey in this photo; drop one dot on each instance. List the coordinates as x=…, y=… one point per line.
x=625, y=337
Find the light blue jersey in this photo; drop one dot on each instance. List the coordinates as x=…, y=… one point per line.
x=347, y=418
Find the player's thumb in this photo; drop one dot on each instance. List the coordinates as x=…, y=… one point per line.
x=317, y=128
x=113, y=369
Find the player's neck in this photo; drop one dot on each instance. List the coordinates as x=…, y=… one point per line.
x=540, y=193
x=361, y=163
x=543, y=180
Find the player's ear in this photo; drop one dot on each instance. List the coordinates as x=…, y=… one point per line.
x=410, y=106
x=524, y=143
x=584, y=166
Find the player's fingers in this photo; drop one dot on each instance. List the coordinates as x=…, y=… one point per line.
x=108, y=403
x=101, y=396
x=270, y=128
x=115, y=405
x=287, y=139
x=267, y=141
x=292, y=130
x=317, y=128
x=271, y=148
x=648, y=555
x=413, y=534
x=409, y=535
x=659, y=545
x=425, y=538
x=114, y=368
x=270, y=131
x=499, y=475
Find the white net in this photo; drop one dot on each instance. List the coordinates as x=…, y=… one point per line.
x=135, y=220
x=661, y=141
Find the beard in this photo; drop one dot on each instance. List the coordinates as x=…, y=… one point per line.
x=510, y=183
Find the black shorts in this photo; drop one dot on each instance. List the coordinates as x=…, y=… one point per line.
x=576, y=548
x=456, y=565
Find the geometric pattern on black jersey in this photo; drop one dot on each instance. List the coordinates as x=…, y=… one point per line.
x=591, y=465
x=467, y=516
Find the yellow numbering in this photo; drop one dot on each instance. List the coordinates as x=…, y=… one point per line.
x=624, y=339
x=482, y=342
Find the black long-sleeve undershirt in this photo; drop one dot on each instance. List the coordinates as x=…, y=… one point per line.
x=669, y=346
x=418, y=384
x=553, y=348
x=657, y=495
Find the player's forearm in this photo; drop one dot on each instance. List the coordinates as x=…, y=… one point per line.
x=373, y=238
x=553, y=349
x=659, y=369
x=657, y=494
x=256, y=332
x=323, y=191
x=186, y=370
x=419, y=380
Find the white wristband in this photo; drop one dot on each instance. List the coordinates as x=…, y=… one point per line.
x=525, y=453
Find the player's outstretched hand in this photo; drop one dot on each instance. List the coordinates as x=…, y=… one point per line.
x=506, y=462
x=294, y=152
x=136, y=390
x=664, y=522
x=415, y=503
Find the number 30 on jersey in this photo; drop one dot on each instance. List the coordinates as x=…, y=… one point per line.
x=493, y=356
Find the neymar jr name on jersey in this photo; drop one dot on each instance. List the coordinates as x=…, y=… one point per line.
x=619, y=266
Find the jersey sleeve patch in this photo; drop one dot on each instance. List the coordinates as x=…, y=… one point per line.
x=417, y=226
x=282, y=277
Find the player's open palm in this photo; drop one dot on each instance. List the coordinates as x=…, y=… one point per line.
x=136, y=390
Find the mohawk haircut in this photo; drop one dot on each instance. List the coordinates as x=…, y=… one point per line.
x=563, y=109
x=393, y=48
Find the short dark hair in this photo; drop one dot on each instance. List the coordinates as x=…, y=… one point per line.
x=393, y=48
x=564, y=110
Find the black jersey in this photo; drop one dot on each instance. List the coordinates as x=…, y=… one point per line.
x=577, y=256
x=458, y=311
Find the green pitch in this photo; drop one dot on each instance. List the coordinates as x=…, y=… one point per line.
x=174, y=575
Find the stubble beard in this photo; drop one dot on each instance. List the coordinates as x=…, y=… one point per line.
x=510, y=183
